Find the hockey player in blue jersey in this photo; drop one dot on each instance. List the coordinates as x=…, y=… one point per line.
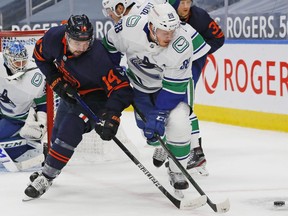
x=22, y=109
x=200, y=20
x=73, y=62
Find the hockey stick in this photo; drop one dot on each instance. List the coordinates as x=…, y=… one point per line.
x=180, y=204
x=7, y=162
x=220, y=207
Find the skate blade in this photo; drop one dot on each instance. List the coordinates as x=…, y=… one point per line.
x=199, y=170
x=27, y=198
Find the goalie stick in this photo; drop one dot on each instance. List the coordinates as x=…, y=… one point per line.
x=220, y=207
x=180, y=204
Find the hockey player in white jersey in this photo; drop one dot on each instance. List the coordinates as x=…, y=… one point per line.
x=159, y=55
x=23, y=117
x=116, y=9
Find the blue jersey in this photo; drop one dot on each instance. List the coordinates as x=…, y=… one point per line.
x=200, y=20
x=92, y=71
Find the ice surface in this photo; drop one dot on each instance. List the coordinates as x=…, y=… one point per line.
x=247, y=166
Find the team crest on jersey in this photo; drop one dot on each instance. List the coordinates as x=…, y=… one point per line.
x=180, y=44
x=132, y=20
x=37, y=79
x=144, y=65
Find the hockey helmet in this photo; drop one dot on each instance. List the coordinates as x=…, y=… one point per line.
x=79, y=28
x=15, y=57
x=164, y=16
x=110, y=5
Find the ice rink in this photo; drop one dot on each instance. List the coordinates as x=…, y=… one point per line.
x=247, y=166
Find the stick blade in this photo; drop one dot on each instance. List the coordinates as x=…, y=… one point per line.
x=222, y=207
x=193, y=204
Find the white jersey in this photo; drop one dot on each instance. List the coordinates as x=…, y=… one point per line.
x=18, y=95
x=143, y=8
x=149, y=64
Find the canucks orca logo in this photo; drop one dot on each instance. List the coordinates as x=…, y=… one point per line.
x=4, y=99
x=142, y=64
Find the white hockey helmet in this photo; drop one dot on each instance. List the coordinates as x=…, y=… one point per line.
x=111, y=5
x=164, y=16
x=15, y=57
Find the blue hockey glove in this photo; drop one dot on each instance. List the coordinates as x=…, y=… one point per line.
x=155, y=123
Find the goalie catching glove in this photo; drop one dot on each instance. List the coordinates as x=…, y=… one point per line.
x=108, y=127
x=62, y=88
x=35, y=125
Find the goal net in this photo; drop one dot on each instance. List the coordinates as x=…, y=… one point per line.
x=92, y=148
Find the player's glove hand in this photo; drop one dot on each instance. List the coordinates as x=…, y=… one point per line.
x=155, y=123
x=108, y=127
x=63, y=88
x=35, y=125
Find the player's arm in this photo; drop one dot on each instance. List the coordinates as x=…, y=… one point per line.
x=200, y=47
x=212, y=33
x=120, y=96
x=115, y=41
x=43, y=56
x=118, y=89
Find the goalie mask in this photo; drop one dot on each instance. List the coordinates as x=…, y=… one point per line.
x=16, y=58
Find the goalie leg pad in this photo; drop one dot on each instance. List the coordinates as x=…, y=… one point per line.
x=9, y=127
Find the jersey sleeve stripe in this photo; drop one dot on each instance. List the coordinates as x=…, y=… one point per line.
x=122, y=85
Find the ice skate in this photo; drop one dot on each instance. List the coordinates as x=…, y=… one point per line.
x=177, y=180
x=197, y=162
x=159, y=156
x=38, y=186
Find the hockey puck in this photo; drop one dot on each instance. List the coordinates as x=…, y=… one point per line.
x=279, y=203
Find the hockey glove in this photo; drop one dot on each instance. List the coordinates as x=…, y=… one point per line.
x=155, y=124
x=63, y=88
x=108, y=127
x=35, y=125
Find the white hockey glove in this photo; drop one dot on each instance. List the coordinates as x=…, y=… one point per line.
x=35, y=126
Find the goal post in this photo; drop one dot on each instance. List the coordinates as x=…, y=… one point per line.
x=91, y=144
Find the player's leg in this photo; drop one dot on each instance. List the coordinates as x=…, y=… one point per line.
x=197, y=160
x=70, y=125
x=145, y=103
x=178, y=131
